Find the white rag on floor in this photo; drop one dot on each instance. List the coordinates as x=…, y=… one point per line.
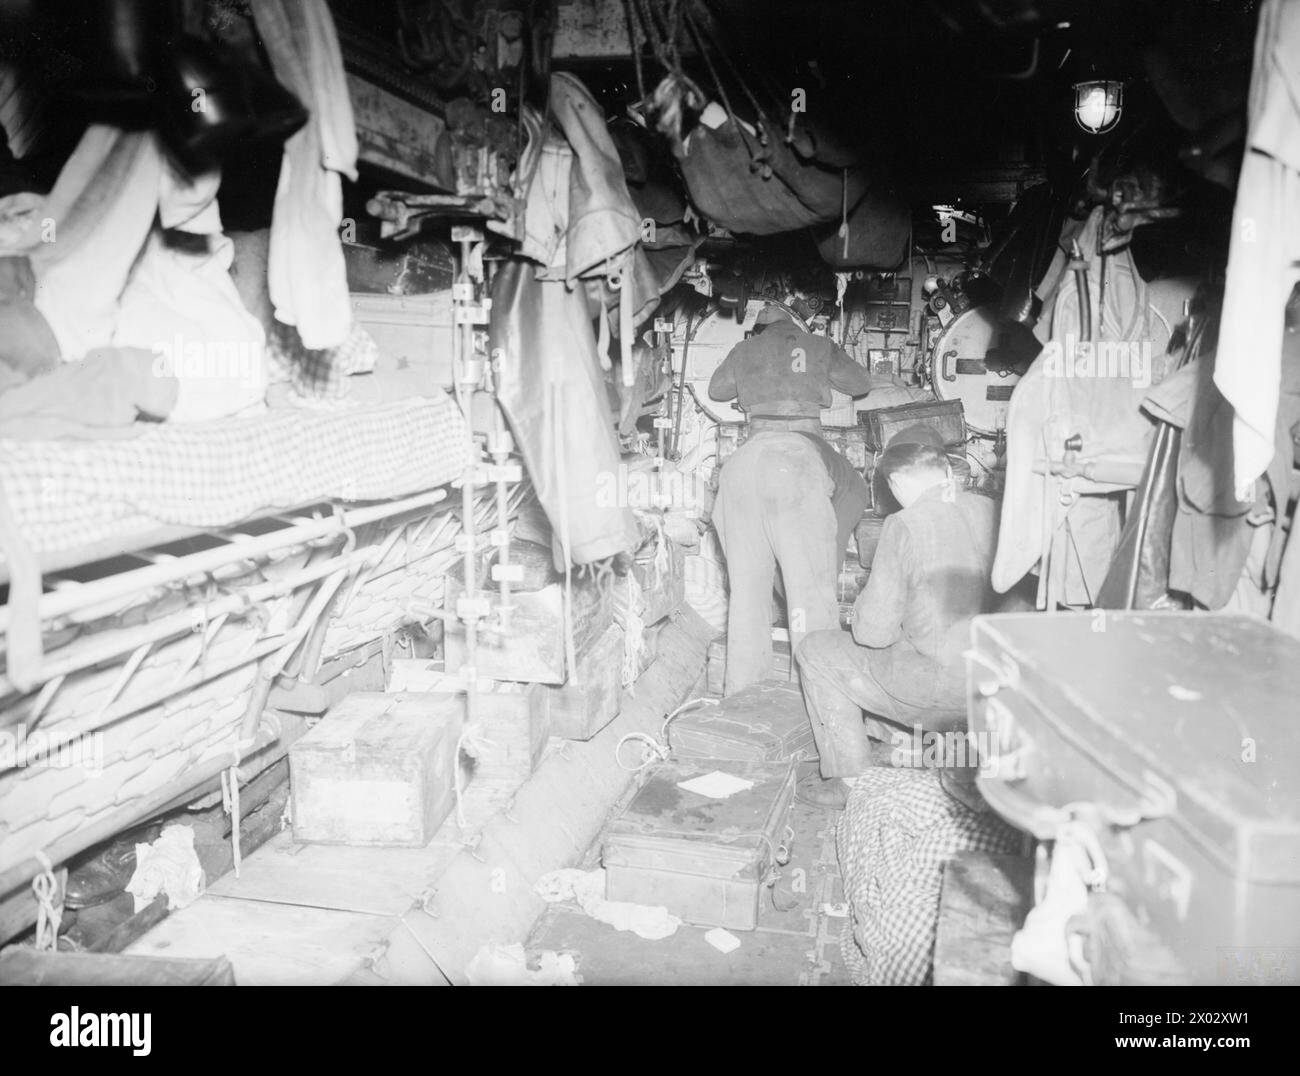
x=507, y=965
x=307, y=277
x=169, y=865
x=587, y=890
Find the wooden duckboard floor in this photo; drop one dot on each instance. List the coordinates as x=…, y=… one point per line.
x=314, y=914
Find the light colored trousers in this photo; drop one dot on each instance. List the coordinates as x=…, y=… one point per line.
x=773, y=510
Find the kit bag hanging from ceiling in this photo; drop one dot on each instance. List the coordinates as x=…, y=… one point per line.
x=787, y=194
x=873, y=235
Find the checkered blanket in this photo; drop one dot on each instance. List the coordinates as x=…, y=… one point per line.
x=67, y=494
x=320, y=375
x=896, y=833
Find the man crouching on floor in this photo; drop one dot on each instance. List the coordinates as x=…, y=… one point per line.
x=903, y=662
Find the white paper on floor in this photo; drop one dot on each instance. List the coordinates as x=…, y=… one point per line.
x=507, y=965
x=722, y=940
x=587, y=890
x=169, y=865
x=716, y=785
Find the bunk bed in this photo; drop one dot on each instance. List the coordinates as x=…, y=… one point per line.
x=194, y=593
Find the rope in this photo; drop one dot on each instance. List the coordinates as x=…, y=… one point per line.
x=570, y=648
x=474, y=744
x=230, y=806
x=780, y=99
x=636, y=37
x=702, y=701
x=633, y=634
x=700, y=21
x=726, y=101
x=49, y=904
x=694, y=23
x=656, y=750
x=652, y=752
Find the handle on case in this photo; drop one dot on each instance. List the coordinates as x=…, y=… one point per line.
x=1045, y=821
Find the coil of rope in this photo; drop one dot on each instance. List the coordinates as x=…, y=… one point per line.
x=656, y=750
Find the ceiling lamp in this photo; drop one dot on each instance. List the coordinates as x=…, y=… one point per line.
x=1098, y=104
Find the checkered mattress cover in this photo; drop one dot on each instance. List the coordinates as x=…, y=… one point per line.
x=68, y=494
x=897, y=831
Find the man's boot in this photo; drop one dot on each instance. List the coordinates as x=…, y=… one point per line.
x=101, y=874
x=832, y=793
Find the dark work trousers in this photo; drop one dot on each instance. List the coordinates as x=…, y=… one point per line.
x=838, y=685
x=774, y=510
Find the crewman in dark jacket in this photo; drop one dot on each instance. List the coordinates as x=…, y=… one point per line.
x=786, y=498
x=902, y=663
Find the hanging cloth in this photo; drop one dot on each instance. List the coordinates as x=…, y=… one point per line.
x=552, y=392
x=308, y=280
x=1264, y=258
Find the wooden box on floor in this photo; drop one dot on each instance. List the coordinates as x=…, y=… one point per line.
x=663, y=583
x=594, y=695
x=514, y=719
x=534, y=650
x=984, y=901
x=702, y=858
x=514, y=722
x=378, y=769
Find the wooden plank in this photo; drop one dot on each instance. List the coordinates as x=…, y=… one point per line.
x=27, y=967
x=984, y=901
x=270, y=944
x=372, y=881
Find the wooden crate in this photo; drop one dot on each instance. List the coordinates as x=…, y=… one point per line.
x=984, y=901
x=514, y=719
x=378, y=769
x=592, y=699
x=515, y=723
x=663, y=587
x=534, y=650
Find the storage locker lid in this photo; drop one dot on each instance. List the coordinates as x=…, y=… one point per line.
x=1208, y=703
x=395, y=721
x=765, y=720
x=740, y=826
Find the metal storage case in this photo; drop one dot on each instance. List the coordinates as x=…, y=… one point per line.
x=1176, y=734
x=765, y=722
x=703, y=859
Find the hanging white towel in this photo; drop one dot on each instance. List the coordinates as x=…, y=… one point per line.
x=1264, y=258
x=307, y=276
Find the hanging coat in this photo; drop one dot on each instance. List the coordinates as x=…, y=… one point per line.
x=555, y=399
